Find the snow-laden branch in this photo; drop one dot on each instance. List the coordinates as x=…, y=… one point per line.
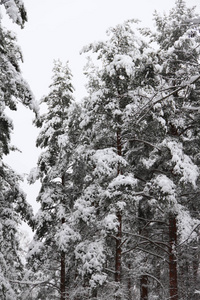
x=156, y=279
x=192, y=80
x=188, y=235
x=153, y=254
x=29, y=282
x=155, y=243
x=144, y=142
x=194, y=21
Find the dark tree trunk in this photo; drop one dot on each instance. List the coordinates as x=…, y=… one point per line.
x=94, y=293
x=62, y=263
x=143, y=214
x=144, y=287
x=62, y=276
x=118, y=250
x=119, y=219
x=129, y=282
x=173, y=280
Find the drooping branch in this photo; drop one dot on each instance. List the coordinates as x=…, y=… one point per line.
x=144, y=142
x=152, y=103
x=155, y=243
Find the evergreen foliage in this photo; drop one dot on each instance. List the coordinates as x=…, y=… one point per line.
x=54, y=234
x=119, y=172
x=14, y=208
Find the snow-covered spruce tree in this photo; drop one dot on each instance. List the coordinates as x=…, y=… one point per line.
x=53, y=234
x=14, y=208
x=172, y=165
x=109, y=183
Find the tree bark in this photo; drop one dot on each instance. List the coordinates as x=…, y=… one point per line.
x=129, y=282
x=62, y=277
x=118, y=250
x=143, y=211
x=173, y=280
x=144, y=287
x=119, y=219
x=62, y=262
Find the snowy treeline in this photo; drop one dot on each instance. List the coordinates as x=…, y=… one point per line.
x=119, y=170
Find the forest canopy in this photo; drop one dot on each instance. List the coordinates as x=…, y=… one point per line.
x=119, y=170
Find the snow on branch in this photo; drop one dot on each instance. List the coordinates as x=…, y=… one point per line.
x=194, y=21
x=192, y=80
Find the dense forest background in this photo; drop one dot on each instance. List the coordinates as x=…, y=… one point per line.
x=119, y=170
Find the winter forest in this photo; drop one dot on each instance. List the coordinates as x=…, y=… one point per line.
x=119, y=170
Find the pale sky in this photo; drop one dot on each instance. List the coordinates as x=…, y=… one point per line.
x=59, y=29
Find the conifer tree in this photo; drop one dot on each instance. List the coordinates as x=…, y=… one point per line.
x=118, y=171
x=109, y=183
x=53, y=233
x=14, y=208
x=173, y=166
x=135, y=108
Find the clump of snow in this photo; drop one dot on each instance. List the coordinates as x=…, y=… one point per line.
x=33, y=175
x=66, y=236
x=166, y=185
x=125, y=180
x=167, y=188
x=197, y=292
x=97, y=279
x=120, y=205
x=107, y=161
x=13, y=11
x=186, y=224
x=149, y=162
x=84, y=210
x=183, y=164
x=110, y=222
x=35, y=248
x=92, y=257
x=121, y=62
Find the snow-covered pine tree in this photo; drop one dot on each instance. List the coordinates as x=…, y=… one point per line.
x=53, y=234
x=14, y=208
x=172, y=169
x=109, y=183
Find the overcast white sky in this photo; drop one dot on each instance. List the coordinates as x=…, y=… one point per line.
x=59, y=29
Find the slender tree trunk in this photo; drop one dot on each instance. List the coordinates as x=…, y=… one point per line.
x=129, y=282
x=62, y=263
x=119, y=219
x=158, y=275
x=144, y=287
x=62, y=276
x=195, y=267
x=142, y=214
x=94, y=293
x=173, y=280
x=118, y=250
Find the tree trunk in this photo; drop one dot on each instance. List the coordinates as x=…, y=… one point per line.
x=144, y=287
x=173, y=281
x=62, y=262
x=119, y=219
x=62, y=276
x=118, y=249
x=143, y=211
x=129, y=282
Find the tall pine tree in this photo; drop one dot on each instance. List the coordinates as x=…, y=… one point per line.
x=14, y=208
x=53, y=233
